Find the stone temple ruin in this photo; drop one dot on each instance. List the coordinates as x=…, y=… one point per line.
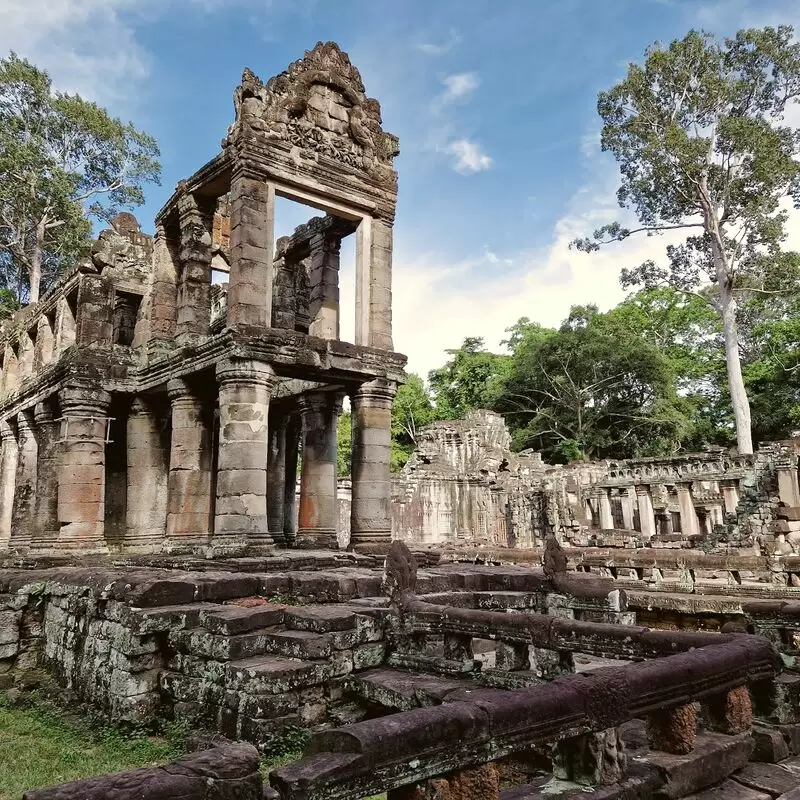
x=495, y=627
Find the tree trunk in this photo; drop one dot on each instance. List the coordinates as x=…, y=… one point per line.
x=35, y=271
x=739, y=399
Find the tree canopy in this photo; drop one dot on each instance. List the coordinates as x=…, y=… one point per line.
x=698, y=133
x=61, y=158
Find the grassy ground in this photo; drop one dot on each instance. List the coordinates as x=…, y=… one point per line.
x=41, y=746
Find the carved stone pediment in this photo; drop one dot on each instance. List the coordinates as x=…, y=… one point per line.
x=318, y=105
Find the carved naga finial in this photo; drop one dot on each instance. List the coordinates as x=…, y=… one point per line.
x=399, y=575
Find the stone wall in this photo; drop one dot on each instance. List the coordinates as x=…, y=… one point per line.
x=464, y=486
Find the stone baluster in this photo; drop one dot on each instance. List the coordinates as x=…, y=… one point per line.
x=458, y=648
x=45, y=512
x=550, y=664
x=481, y=782
x=318, y=513
x=276, y=477
x=730, y=712
x=647, y=520
x=591, y=759
x=673, y=730
x=371, y=511
x=512, y=656
x=8, y=477
x=25, y=490
x=146, y=507
x=241, y=509
x=82, y=469
x=189, y=503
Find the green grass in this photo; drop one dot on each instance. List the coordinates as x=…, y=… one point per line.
x=40, y=747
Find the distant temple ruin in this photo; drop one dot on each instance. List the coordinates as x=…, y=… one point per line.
x=144, y=409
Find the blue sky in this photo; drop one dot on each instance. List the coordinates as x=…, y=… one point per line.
x=494, y=104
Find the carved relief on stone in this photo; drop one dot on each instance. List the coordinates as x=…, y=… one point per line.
x=318, y=105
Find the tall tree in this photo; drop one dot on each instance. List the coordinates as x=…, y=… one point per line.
x=699, y=136
x=595, y=388
x=470, y=379
x=61, y=157
x=412, y=410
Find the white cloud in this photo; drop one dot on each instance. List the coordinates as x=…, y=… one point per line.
x=459, y=86
x=440, y=48
x=468, y=156
x=88, y=46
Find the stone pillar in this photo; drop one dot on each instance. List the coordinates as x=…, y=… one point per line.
x=690, y=525
x=45, y=511
x=163, y=297
x=371, y=511
x=25, y=490
x=730, y=712
x=241, y=508
x=788, y=490
x=730, y=495
x=374, y=283
x=146, y=507
x=606, y=518
x=318, y=515
x=647, y=520
x=251, y=249
x=95, y=318
x=65, y=325
x=196, y=216
x=44, y=343
x=189, y=500
x=82, y=469
x=293, y=435
x=324, y=280
x=10, y=370
x=627, y=510
x=8, y=477
x=276, y=477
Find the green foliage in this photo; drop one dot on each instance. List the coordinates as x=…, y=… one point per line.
x=285, y=746
x=699, y=136
x=344, y=441
x=61, y=157
x=595, y=388
x=470, y=379
x=413, y=409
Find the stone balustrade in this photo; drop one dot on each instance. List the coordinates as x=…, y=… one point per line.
x=412, y=747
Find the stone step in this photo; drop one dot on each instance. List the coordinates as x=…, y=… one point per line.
x=233, y=620
x=402, y=690
x=274, y=640
x=321, y=619
x=273, y=674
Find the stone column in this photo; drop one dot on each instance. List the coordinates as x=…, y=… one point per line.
x=196, y=216
x=730, y=495
x=146, y=507
x=45, y=511
x=276, y=477
x=8, y=477
x=324, y=280
x=189, y=501
x=371, y=511
x=44, y=343
x=606, y=518
x=788, y=490
x=317, y=517
x=690, y=525
x=251, y=249
x=241, y=508
x=82, y=469
x=647, y=520
x=374, y=283
x=10, y=370
x=25, y=490
x=627, y=510
x=293, y=435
